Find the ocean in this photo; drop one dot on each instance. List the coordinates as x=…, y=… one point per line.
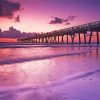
x=49, y=72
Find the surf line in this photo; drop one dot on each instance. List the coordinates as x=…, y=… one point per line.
x=23, y=60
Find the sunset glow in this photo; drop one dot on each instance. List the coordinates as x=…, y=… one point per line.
x=7, y=40
x=35, y=15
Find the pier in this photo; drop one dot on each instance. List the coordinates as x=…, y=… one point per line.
x=81, y=34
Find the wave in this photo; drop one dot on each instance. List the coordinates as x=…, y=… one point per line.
x=77, y=77
x=29, y=45
x=21, y=46
x=22, y=60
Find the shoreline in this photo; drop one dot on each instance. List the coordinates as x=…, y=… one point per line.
x=15, y=44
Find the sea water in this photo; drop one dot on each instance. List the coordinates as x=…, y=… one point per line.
x=49, y=72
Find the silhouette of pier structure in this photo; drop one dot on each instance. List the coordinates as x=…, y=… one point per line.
x=84, y=34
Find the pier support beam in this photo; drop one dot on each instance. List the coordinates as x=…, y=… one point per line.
x=46, y=39
x=67, y=38
x=62, y=38
x=58, y=38
x=97, y=33
x=51, y=39
x=36, y=40
x=55, y=39
x=79, y=38
x=90, y=37
x=42, y=40
x=33, y=41
x=72, y=36
x=39, y=40
x=85, y=38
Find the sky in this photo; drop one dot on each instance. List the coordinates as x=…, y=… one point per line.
x=47, y=15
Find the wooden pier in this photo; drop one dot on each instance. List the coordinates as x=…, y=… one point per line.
x=83, y=34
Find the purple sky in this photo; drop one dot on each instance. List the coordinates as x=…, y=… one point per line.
x=48, y=15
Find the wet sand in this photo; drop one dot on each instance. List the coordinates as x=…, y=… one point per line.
x=50, y=73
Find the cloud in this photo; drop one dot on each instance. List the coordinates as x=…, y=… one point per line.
x=8, y=8
x=66, y=21
x=14, y=33
x=56, y=20
x=17, y=19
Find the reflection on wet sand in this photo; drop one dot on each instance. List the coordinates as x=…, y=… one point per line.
x=42, y=72
x=9, y=75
